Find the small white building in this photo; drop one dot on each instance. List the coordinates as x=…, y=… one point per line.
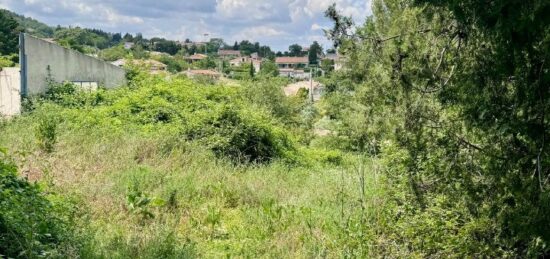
x=128, y=45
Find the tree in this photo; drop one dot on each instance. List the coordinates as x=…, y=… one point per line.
x=251, y=70
x=295, y=50
x=215, y=44
x=315, y=51
x=128, y=37
x=114, y=53
x=246, y=47
x=454, y=95
x=266, y=52
x=327, y=65
x=269, y=69
x=9, y=34
x=117, y=38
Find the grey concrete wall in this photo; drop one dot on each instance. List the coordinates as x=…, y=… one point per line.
x=65, y=65
x=10, y=96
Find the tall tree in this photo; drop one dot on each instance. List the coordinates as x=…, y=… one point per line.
x=295, y=50
x=454, y=94
x=315, y=51
x=9, y=34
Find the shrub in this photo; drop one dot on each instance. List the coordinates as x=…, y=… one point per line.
x=29, y=224
x=241, y=136
x=46, y=132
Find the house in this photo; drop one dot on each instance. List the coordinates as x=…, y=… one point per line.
x=291, y=62
x=256, y=63
x=196, y=57
x=202, y=73
x=128, y=45
x=227, y=53
x=293, y=73
x=155, y=67
x=292, y=67
x=336, y=59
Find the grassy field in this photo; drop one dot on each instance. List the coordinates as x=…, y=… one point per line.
x=139, y=192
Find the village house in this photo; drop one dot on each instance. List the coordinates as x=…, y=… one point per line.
x=292, y=67
x=196, y=57
x=256, y=63
x=228, y=53
x=128, y=45
x=291, y=62
x=337, y=61
x=293, y=73
x=155, y=67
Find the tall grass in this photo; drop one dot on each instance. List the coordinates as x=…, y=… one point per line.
x=144, y=190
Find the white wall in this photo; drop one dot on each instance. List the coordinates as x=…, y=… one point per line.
x=64, y=64
x=10, y=96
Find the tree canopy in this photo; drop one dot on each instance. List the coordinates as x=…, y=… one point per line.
x=9, y=34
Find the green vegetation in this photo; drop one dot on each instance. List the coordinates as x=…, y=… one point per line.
x=9, y=34
x=430, y=143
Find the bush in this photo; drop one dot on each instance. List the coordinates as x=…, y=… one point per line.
x=241, y=136
x=46, y=132
x=30, y=227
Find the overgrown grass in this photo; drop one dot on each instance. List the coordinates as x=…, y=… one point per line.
x=148, y=188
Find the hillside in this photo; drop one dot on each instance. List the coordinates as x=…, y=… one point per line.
x=31, y=25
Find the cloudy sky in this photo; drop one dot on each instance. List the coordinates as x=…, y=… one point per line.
x=278, y=23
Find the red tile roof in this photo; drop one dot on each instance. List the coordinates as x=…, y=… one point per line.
x=292, y=60
x=197, y=57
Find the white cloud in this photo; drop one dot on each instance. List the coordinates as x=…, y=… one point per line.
x=251, y=10
x=317, y=27
x=278, y=23
x=258, y=33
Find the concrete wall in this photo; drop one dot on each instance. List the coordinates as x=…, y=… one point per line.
x=65, y=65
x=10, y=96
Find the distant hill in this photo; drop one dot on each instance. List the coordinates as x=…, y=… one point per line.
x=31, y=25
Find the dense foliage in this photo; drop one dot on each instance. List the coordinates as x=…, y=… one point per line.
x=30, y=225
x=453, y=95
x=9, y=34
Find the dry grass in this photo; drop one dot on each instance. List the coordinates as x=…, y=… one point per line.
x=216, y=209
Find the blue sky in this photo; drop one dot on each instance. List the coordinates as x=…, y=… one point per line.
x=277, y=23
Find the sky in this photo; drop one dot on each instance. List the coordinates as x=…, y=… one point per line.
x=277, y=23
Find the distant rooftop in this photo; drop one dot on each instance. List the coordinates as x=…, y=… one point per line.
x=292, y=60
x=229, y=52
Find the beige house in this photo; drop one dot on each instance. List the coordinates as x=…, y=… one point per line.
x=154, y=66
x=337, y=59
x=292, y=67
x=228, y=53
x=196, y=57
x=291, y=62
x=256, y=63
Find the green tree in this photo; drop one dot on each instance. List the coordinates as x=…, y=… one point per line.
x=454, y=95
x=315, y=51
x=269, y=68
x=9, y=34
x=295, y=50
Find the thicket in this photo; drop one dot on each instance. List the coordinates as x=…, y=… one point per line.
x=31, y=226
x=453, y=96
x=218, y=117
